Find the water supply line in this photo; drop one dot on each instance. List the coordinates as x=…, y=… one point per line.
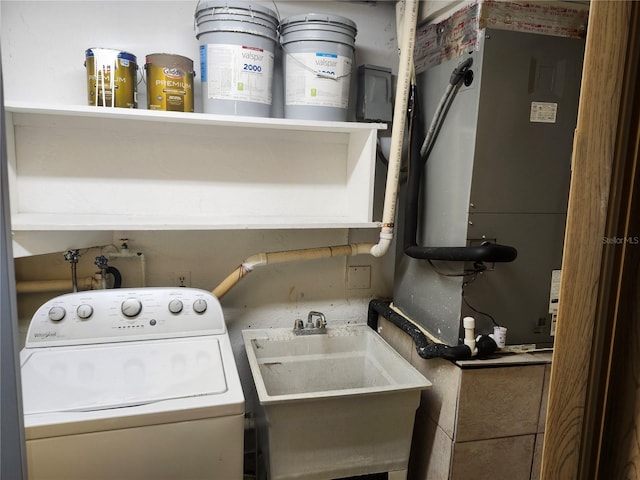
x=105, y=269
x=74, y=284
x=72, y=256
x=408, y=11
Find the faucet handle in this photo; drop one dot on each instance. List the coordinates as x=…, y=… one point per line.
x=298, y=325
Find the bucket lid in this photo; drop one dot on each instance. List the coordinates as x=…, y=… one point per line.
x=319, y=18
x=236, y=8
x=170, y=60
x=90, y=52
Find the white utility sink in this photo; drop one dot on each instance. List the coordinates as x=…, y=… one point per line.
x=336, y=404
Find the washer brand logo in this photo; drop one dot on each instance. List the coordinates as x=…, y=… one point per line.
x=173, y=72
x=44, y=335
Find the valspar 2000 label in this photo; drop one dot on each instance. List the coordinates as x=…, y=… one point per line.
x=237, y=72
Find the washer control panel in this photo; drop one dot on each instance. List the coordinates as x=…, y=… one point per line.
x=125, y=314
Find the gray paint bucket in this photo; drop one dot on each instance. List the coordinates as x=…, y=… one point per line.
x=318, y=58
x=237, y=45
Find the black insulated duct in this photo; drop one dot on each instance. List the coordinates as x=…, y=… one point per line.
x=426, y=349
x=417, y=159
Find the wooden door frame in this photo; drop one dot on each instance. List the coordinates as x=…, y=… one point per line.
x=597, y=244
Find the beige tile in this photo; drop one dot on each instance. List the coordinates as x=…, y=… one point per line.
x=441, y=400
x=499, y=402
x=396, y=337
x=495, y=459
x=430, y=451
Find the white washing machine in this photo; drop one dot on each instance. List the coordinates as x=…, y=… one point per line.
x=130, y=384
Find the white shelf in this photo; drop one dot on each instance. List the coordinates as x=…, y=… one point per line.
x=81, y=168
x=26, y=222
x=31, y=112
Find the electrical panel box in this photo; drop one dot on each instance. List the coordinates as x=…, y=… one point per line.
x=499, y=171
x=374, y=94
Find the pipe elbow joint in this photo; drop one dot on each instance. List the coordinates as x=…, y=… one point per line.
x=254, y=261
x=383, y=245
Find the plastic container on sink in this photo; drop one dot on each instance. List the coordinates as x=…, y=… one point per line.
x=335, y=405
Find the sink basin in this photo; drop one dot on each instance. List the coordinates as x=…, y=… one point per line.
x=347, y=360
x=335, y=405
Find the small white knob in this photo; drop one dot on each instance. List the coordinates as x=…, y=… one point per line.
x=131, y=307
x=56, y=314
x=175, y=306
x=84, y=311
x=200, y=305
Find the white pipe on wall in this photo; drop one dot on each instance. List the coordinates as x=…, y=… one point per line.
x=66, y=285
x=408, y=11
x=287, y=256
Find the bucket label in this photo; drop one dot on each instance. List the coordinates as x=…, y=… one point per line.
x=319, y=79
x=203, y=63
x=111, y=80
x=169, y=88
x=238, y=72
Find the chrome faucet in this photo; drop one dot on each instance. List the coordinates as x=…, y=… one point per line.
x=312, y=328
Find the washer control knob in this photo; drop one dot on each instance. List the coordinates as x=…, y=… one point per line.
x=131, y=307
x=84, y=311
x=200, y=305
x=175, y=306
x=56, y=313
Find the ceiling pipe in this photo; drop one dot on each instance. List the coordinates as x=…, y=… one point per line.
x=407, y=11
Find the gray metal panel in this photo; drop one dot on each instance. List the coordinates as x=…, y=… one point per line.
x=518, y=167
x=517, y=294
x=447, y=181
x=430, y=299
x=524, y=166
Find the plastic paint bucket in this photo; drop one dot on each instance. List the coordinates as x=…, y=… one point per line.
x=112, y=79
x=169, y=82
x=237, y=48
x=318, y=58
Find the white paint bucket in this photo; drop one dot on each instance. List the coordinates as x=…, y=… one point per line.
x=237, y=45
x=319, y=53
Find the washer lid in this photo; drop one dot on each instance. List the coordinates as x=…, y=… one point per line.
x=98, y=377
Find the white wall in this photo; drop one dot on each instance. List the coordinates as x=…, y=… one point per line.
x=43, y=51
x=44, y=42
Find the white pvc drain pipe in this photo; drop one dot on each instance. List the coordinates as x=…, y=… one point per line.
x=408, y=10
